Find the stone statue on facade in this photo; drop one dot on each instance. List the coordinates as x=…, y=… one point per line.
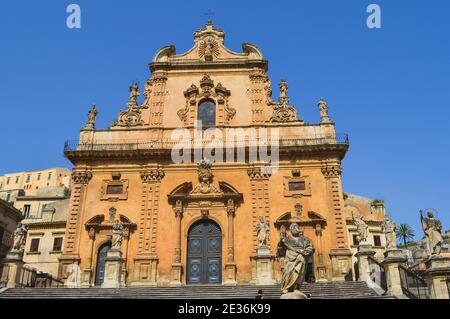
x=296, y=250
x=117, y=235
x=92, y=116
x=432, y=228
x=20, y=235
x=262, y=230
x=134, y=93
x=389, y=227
x=362, y=229
x=323, y=109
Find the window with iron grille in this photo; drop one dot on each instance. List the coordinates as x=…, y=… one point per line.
x=114, y=189
x=34, y=247
x=296, y=186
x=57, y=244
x=355, y=240
x=376, y=240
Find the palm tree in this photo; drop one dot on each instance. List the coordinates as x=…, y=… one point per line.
x=405, y=232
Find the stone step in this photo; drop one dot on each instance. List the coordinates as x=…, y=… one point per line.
x=334, y=290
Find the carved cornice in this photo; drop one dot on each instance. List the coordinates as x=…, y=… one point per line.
x=331, y=170
x=152, y=176
x=81, y=177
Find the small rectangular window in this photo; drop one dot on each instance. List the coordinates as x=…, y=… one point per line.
x=26, y=210
x=39, y=177
x=8, y=180
x=355, y=240
x=114, y=189
x=28, y=179
x=17, y=179
x=34, y=247
x=57, y=244
x=376, y=241
x=49, y=176
x=296, y=186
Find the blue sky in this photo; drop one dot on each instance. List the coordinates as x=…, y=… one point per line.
x=389, y=89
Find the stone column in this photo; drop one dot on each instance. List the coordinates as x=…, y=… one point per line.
x=145, y=272
x=321, y=268
x=176, y=265
x=13, y=264
x=393, y=258
x=230, y=266
x=363, y=254
x=87, y=273
x=437, y=275
x=340, y=254
x=70, y=257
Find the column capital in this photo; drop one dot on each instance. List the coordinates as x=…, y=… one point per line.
x=81, y=177
x=92, y=233
x=329, y=171
x=152, y=176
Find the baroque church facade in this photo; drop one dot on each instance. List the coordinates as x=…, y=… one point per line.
x=195, y=222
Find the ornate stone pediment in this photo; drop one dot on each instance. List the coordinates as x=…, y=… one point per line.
x=208, y=47
x=205, y=178
x=194, y=95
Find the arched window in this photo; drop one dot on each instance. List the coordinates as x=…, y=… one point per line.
x=207, y=113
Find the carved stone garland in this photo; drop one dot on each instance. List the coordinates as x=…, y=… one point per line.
x=219, y=94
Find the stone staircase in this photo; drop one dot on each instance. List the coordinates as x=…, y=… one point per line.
x=331, y=290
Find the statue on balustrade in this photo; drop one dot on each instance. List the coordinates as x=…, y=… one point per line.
x=362, y=229
x=389, y=227
x=432, y=228
x=296, y=250
x=20, y=235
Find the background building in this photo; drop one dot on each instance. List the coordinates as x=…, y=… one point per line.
x=9, y=218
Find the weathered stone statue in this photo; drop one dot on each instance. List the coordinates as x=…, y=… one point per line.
x=262, y=229
x=134, y=93
x=117, y=235
x=362, y=229
x=389, y=227
x=323, y=109
x=432, y=228
x=296, y=249
x=20, y=235
x=92, y=116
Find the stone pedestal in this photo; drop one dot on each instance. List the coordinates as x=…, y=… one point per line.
x=146, y=271
x=264, y=266
x=113, y=269
x=341, y=260
x=392, y=259
x=12, y=264
x=294, y=295
x=364, y=251
x=86, y=277
x=230, y=274
x=437, y=275
x=177, y=270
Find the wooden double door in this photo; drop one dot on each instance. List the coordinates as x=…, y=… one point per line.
x=204, y=253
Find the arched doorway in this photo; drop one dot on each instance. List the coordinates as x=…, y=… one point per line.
x=101, y=259
x=204, y=253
